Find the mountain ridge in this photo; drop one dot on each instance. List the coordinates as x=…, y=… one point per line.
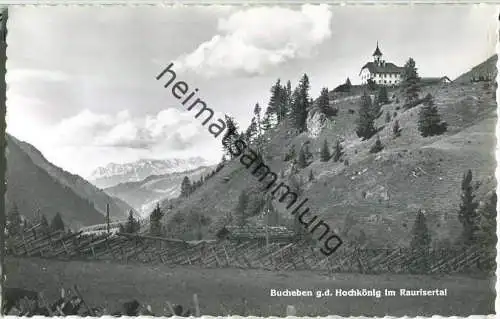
x=118, y=208
x=113, y=173
x=144, y=194
x=35, y=191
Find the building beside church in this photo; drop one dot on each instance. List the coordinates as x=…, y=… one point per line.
x=381, y=71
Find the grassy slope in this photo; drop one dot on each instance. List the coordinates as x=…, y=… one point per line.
x=391, y=191
x=81, y=187
x=33, y=189
x=487, y=67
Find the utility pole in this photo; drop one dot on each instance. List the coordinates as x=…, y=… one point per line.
x=267, y=226
x=107, y=218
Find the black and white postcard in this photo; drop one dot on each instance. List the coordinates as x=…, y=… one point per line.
x=266, y=160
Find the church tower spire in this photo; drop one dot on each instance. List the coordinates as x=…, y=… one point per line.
x=377, y=55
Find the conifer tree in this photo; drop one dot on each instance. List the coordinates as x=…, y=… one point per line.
x=302, y=161
x=420, y=244
x=251, y=132
x=338, y=152
x=396, y=130
x=382, y=95
x=325, y=152
x=230, y=136
x=256, y=113
x=365, y=127
x=410, y=82
x=269, y=212
x=258, y=126
x=324, y=101
x=429, y=121
x=377, y=147
x=186, y=187
x=241, y=208
x=43, y=221
x=311, y=175
x=57, y=222
x=371, y=84
x=290, y=154
x=287, y=96
x=488, y=223
x=467, y=214
x=301, y=104
x=132, y=225
x=274, y=105
x=155, y=217
x=13, y=225
x=267, y=123
x=376, y=109
x=421, y=237
x=348, y=84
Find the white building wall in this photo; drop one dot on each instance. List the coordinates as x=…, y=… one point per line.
x=365, y=75
x=380, y=78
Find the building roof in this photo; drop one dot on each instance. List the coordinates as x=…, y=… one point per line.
x=386, y=67
x=377, y=51
x=434, y=80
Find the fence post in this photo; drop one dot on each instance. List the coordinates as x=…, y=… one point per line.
x=290, y=310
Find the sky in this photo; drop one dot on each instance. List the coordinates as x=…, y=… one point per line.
x=81, y=80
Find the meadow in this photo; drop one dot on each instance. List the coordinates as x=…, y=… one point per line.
x=228, y=291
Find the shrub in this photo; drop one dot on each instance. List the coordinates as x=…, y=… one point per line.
x=338, y=152
x=387, y=117
x=382, y=95
x=377, y=147
x=325, y=152
x=396, y=130
x=290, y=155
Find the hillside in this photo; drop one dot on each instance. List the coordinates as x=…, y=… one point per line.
x=114, y=174
x=144, y=194
x=118, y=209
x=487, y=69
x=33, y=190
x=378, y=195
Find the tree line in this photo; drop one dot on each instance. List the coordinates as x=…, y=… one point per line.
x=16, y=223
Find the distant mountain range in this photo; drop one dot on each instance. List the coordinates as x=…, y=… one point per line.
x=144, y=194
x=37, y=186
x=114, y=174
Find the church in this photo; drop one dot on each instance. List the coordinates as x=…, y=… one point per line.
x=380, y=71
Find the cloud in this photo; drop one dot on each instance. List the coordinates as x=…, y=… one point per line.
x=169, y=128
x=251, y=41
x=20, y=75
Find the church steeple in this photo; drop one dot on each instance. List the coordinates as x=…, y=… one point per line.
x=377, y=54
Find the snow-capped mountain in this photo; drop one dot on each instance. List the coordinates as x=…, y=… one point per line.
x=145, y=194
x=114, y=174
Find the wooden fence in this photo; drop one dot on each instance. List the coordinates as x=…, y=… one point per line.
x=297, y=255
